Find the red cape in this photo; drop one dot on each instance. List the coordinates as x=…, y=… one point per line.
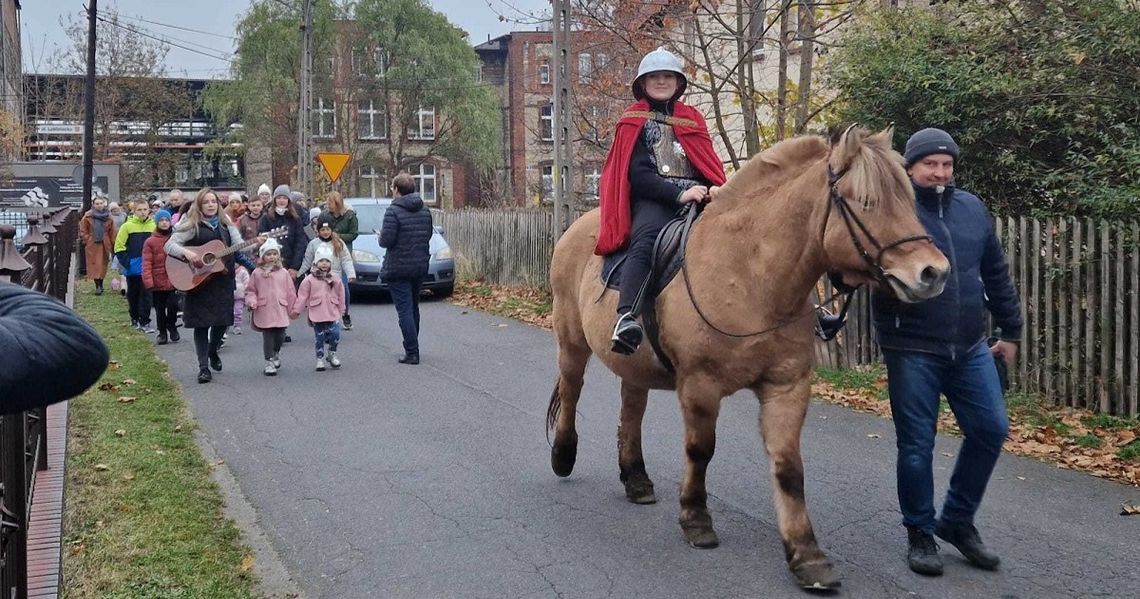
x=691, y=131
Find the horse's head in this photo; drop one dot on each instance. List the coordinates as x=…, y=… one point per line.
x=872, y=232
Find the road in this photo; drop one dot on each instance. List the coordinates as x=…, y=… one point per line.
x=386, y=480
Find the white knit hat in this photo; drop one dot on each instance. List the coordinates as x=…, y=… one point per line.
x=324, y=252
x=270, y=245
x=264, y=189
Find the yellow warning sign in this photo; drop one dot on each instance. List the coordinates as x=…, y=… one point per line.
x=334, y=163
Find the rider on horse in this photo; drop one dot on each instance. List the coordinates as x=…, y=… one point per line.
x=661, y=158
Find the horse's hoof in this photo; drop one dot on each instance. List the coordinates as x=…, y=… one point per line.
x=562, y=458
x=699, y=532
x=639, y=490
x=816, y=576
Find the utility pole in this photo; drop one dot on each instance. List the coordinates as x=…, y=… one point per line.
x=304, y=133
x=89, y=107
x=563, y=149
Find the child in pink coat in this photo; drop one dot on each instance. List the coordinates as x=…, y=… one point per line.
x=241, y=281
x=322, y=294
x=270, y=296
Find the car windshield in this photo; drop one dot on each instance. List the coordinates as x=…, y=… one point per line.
x=370, y=217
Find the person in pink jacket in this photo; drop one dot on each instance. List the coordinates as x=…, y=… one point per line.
x=270, y=295
x=322, y=294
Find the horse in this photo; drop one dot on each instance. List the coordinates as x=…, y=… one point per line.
x=738, y=315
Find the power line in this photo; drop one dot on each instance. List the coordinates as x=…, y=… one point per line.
x=162, y=40
x=228, y=37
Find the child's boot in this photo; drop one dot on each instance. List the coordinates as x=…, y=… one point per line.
x=270, y=368
x=333, y=360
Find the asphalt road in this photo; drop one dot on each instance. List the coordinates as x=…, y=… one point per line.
x=386, y=480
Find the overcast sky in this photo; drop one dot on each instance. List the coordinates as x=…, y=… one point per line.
x=206, y=53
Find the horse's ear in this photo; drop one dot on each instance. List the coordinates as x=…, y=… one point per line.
x=886, y=136
x=844, y=150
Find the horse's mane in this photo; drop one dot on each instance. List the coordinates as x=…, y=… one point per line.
x=873, y=169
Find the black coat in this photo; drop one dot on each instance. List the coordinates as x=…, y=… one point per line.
x=406, y=234
x=293, y=246
x=211, y=304
x=50, y=353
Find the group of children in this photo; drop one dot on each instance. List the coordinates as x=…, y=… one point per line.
x=267, y=288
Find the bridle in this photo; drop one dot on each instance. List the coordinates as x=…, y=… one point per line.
x=852, y=221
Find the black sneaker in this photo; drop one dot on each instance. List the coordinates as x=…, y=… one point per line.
x=162, y=339
x=346, y=322
x=627, y=335
x=175, y=336
x=922, y=553
x=964, y=537
x=215, y=361
x=410, y=359
x=204, y=376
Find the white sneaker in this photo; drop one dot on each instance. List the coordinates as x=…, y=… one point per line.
x=276, y=361
x=237, y=330
x=333, y=360
x=321, y=364
x=270, y=368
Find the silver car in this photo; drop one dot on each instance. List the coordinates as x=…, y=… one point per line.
x=368, y=256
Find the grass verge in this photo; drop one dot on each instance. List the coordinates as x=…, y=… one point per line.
x=1106, y=446
x=143, y=516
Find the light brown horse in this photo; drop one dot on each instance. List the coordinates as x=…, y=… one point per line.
x=792, y=213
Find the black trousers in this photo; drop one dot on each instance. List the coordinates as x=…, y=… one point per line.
x=406, y=297
x=647, y=220
x=165, y=311
x=138, y=299
x=207, y=340
x=271, y=341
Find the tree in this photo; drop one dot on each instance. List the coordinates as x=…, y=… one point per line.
x=1041, y=96
x=133, y=102
x=400, y=55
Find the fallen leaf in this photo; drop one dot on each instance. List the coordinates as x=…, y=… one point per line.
x=126, y=399
x=1021, y=478
x=102, y=467
x=1129, y=509
x=128, y=476
x=246, y=563
x=178, y=428
x=219, y=462
x=113, y=365
x=77, y=549
x=948, y=454
x=1126, y=437
x=160, y=452
x=99, y=524
x=501, y=325
x=120, y=433
x=873, y=435
x=108, y=386
x=129, y=381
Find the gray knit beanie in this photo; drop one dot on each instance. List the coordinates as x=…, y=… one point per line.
x=929, y=141
x=282, y=190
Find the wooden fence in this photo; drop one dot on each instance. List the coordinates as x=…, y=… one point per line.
x=1079, y=283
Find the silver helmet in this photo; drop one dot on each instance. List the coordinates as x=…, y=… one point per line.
x=660, y=60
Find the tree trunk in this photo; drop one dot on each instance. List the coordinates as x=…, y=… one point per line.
x=807, y=60
x=744, y=79
x=782, y=76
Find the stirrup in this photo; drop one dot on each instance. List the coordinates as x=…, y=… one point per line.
x=627, y=335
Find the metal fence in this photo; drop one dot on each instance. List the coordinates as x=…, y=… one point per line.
x=1079, y=283
x=43, y=263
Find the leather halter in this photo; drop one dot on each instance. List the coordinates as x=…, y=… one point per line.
x=852, y=221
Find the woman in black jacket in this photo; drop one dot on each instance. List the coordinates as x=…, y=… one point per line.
x=282, y=212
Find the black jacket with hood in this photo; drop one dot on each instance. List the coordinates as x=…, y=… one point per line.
x=406, y=235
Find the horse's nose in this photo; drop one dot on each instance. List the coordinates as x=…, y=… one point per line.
x=933, y=277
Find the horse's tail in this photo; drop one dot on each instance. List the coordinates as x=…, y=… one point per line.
x=555, y=407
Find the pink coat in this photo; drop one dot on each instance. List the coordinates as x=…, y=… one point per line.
x=270, y=294
x=323, y=297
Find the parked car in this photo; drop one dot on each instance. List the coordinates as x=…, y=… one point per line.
x=368, y=256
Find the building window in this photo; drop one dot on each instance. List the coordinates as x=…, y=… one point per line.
x=423, y=124
x=548, y=182
x=380, y=58
x=373, y=124
x=425, y=182
x=371, y=182
x=544, y=73
x=324, y=125
x=593, y=178
x=585, y=67
x=546, y=123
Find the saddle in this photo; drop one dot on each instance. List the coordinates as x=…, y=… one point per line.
x=668, y=257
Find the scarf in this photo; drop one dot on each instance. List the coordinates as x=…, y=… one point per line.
x=100, y=219
x=268, y=270
x=213, y=221
x=280, y=211
x=323, y=273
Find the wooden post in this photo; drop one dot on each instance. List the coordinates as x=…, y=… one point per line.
x=1065, y=296
x=1119, y=332
x=1134, y=327
x=1090, y=319
x=1048, y=366
x=1033, y=323
x=1105, y=319
x=1023, y=277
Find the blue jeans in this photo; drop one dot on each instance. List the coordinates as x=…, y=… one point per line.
x=326, y=333
x=347, y=295
x=970, y=383
x=406, y=297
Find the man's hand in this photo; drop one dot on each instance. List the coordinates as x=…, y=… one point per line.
x=1007, y=350
x=695, y=193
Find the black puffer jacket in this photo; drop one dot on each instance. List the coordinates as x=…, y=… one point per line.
x=406, y=234
x=50, y=353
x=294, y=244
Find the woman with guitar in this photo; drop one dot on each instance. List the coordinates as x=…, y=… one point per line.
x=209, y=306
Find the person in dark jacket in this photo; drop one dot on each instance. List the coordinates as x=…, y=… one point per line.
x=282, y=212
x=940, y=347
x=209, y=307
x=406, y=235
x=50, y=353
x=156, y=280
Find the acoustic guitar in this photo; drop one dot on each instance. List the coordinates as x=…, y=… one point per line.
x=186, y=277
